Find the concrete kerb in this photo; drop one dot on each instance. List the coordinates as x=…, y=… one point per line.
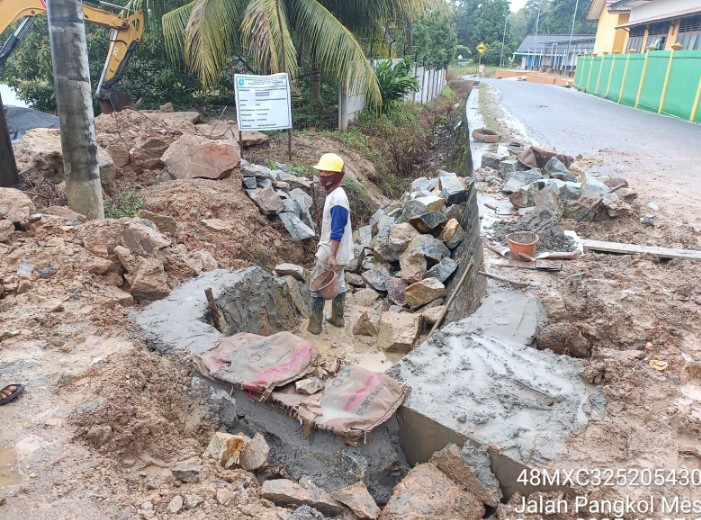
x=478, y=380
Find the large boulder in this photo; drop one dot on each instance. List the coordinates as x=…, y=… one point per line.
x=517, y=180
x=193, y=156
x=556, y=170
x=144, y=239
x=426, y=492
x=443, y=269
x=267, y=200
x=414, y=261
x=392, y=240
x=398, y=331
x=148, y=280
x=39, y=155
x=15, y=206
x=453, y=188
x=423, y=292
x=452, y=233
x=297, y=229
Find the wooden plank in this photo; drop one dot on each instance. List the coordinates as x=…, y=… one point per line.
x=632, y=249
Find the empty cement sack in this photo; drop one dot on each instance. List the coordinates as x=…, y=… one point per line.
x=352, y=404
x=259, y=364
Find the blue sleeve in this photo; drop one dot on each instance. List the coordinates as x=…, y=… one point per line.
x=339, y=218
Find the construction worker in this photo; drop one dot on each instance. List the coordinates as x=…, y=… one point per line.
x=335, y=248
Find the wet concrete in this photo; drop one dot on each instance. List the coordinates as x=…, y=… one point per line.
x=178, y=325
x=478, y=380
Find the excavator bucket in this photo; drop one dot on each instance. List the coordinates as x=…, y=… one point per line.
x=117, y=102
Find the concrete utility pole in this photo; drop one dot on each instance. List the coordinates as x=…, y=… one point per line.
x=9, y=177
x=69, y=55
x=569, y=42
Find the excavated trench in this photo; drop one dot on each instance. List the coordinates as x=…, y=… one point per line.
x=477, y=383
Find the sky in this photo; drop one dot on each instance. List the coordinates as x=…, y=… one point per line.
x=9, y=97
x=517, y=4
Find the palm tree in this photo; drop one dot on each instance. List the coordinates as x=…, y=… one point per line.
x=207, y=33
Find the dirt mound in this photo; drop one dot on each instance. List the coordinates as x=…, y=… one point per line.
x=141, y=404
x=248, y=237
x=545, y=223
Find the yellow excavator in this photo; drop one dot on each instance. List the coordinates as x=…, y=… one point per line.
x=126, y=33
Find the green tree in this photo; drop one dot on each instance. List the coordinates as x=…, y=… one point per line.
x=483, y=21
x=436, y=39
x=206, y=34
x=150, y=76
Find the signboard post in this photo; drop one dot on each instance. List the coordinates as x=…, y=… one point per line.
x=481, y=47
x=263, y=102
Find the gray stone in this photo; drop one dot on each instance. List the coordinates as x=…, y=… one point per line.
x=306, y=513
x=517, y=180
x=382, y=223
x=365, y=235
x=143, y=239
x=354, y=279
x=491, y=160
x=281, y=185
x=267, y=200
x=509, y=166
x=423, y=183
x=391, y=241
x=556, y=170
x=545, y=194
x=432, y=202
x=443, y=269
x=413, y=208
x=428, y=222
x=455, y=211
x=175, y=505
x=285, y=492
x=297, y=293
x=452, y=188
x=186, y=472
x=291, y=206
x=215, y=224
x=254, y=454
x=297, y=229
x=376, y=277
x=295, y=181
x=257, y=170
x=592, y=188
x=192, y=501
x=294, y=270
x=376, y=217
x=264, y=183
x=356, y=262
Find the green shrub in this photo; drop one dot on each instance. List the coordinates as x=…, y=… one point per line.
x=126, y=203
x=396, y=81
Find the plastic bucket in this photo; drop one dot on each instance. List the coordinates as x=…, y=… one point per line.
x=326, y=285
x=522, y=242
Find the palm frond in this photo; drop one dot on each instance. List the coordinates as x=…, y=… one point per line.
x=174, y=25
x=210, y=37
x=266, y=34
x=337, y=49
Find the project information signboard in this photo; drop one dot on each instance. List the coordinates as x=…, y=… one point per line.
x=263, y=102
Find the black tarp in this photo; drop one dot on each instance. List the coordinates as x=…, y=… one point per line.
x=19, y=120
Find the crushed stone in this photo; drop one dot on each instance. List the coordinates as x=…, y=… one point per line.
x=546, y=223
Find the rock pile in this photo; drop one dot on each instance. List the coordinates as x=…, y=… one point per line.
x=548, y=184
x=281, y=192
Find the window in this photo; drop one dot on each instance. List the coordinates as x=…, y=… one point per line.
x=657, y=35
x=690, y=32
x=635, y=38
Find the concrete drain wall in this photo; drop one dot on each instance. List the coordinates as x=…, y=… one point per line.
x=178, y=325
x=479, y=381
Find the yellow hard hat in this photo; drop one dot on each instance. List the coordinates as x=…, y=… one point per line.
x=330, y=162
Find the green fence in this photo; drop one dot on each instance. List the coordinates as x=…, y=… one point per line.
x=667, y=79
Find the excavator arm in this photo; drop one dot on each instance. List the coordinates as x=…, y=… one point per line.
x=125, y=35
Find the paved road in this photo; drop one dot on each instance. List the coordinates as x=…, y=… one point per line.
x=662, y=152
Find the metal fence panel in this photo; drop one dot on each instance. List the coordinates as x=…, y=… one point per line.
x=683, y=84
x=632, y=79
x=653, y=81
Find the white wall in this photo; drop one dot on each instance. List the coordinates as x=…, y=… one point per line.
x=431, y=82
x=661, y=8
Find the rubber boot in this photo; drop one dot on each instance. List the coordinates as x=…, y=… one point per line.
x=316, y=316
x=337, y=305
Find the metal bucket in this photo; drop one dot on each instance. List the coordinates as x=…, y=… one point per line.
x=326, y=285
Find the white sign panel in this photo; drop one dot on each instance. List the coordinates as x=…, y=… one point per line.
x=263, y=102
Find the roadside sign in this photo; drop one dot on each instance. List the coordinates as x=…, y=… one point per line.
x=481, y=47
x=263, y=102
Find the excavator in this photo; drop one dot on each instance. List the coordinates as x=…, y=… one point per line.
x=126, y=33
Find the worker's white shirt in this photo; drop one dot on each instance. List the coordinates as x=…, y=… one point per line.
x=344, y=255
